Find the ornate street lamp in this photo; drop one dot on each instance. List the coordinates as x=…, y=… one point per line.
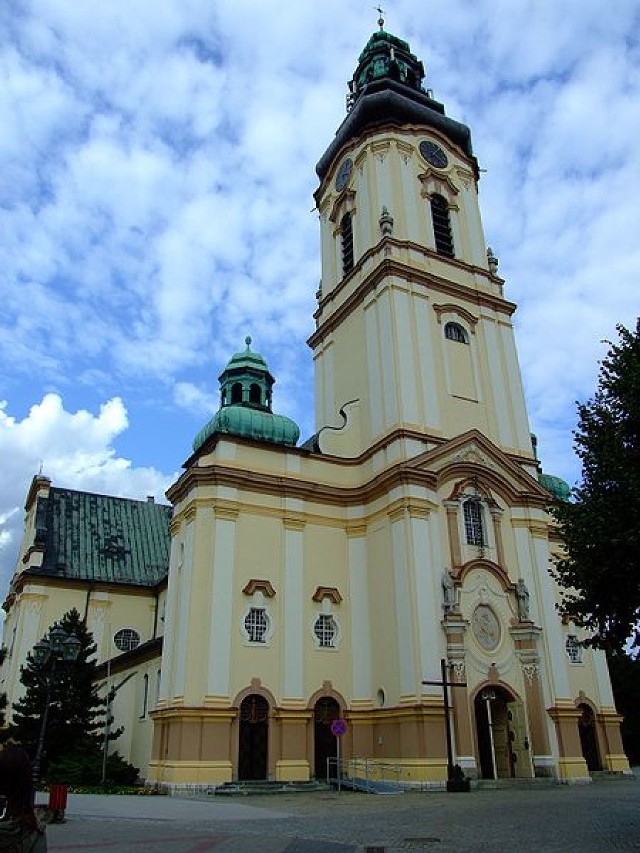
x=57, y=646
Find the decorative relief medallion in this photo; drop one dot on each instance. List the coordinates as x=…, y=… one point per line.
x=486, y=627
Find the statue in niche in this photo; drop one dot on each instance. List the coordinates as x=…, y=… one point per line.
x=522, y=597
x=448, y=591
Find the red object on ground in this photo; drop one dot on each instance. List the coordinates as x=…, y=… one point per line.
x=58, y=801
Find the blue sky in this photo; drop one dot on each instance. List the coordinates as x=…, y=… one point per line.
x=156, y=207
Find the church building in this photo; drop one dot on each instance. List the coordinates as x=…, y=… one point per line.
x=331, y=579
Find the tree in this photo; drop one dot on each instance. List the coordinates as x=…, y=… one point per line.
x=76, y=713
x=600, y=574
x=625, y=681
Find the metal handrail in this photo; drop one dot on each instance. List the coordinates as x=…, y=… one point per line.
x=363, y=773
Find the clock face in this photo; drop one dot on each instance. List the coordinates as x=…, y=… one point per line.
x=344, y=173
x=433, y=154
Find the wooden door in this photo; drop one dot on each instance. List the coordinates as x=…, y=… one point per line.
x=254, y=738
x=522, y=764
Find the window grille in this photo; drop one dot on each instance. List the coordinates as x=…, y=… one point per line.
x=441, y=226
x=256, y=624
x=574, y=649
x=455, y=332
x=346, y=237
x=325, y=630
x=473, y=522
x=126, y=639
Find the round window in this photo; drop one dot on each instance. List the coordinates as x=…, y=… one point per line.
x=126, y=639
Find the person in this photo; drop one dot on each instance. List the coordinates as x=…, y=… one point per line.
x=20, y=831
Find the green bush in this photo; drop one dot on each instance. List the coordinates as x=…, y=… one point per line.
x=85, y=768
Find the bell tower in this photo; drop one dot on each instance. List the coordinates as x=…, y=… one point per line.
x=414, y=342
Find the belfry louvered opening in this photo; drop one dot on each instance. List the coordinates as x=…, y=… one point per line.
x=442, y=226
x=346, y=237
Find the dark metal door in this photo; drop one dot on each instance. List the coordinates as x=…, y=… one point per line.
x=254, y=738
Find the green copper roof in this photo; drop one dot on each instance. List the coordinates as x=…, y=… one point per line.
x=248, y=422
x=245, y=404
x=102, y=538
x=557, y=486
x=387, y=56
x=246, y=358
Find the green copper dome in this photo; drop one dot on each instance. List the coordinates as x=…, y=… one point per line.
x=250, y=423
x=245, y=404
x=387, y=56
x=557, y=486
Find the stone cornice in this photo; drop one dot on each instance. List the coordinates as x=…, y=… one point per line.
x=388, y=267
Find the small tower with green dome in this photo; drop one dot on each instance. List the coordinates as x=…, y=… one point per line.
x=245, y=404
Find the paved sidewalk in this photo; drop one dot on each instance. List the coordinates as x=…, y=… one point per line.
x=596, y=818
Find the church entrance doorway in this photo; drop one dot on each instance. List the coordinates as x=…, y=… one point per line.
x=589, y=738
x=325, y=742
x=254, y=738
x=503, y=741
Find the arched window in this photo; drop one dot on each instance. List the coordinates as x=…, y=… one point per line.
x=473, y=522
x=236, y=392
x=346, y=241
x=455, y=332
x=441, y=226
x=255, y=394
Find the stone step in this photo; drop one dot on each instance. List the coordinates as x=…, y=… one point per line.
x=610, y=776
x=267, y=786
x=493, y=784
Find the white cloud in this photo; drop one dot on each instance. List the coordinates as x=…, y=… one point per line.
x=159, y=169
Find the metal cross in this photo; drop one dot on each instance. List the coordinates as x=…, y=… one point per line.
x=445, y=684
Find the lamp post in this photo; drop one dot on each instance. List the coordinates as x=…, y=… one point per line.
x=57, y=646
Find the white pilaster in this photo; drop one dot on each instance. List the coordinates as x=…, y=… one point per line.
x=521, y=421
x=407, y=380
x=553, y=637
x=404, y=609
x=373, y=368
x=497, y=382
x=221, y=606
x=184, y=604
x=170, y=610
x=293, y=679
x=360, y=623
x=603, y=680
x=428, y=594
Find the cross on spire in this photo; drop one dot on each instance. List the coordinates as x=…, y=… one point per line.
x=380, y=12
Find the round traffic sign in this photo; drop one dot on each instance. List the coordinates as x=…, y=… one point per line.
x=338, y=727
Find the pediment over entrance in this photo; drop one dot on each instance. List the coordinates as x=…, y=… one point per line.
x=472, y=455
